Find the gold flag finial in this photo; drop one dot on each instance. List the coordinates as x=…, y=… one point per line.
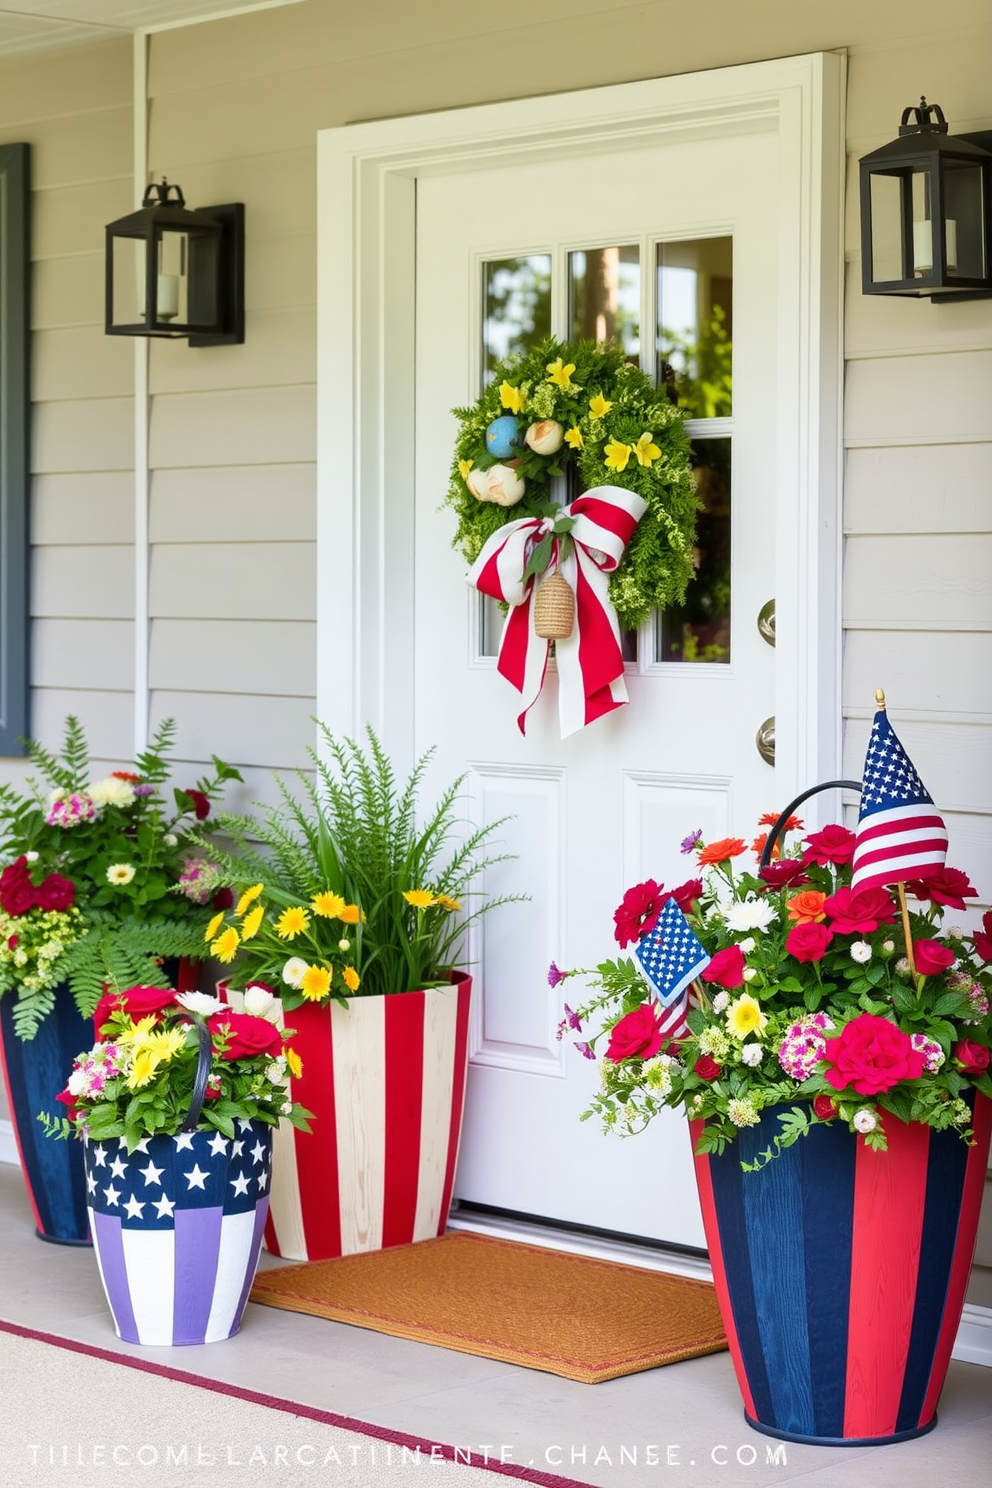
x=880, y=699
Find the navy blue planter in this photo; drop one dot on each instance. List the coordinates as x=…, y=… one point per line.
x=841, y=1274
x=35, y=1072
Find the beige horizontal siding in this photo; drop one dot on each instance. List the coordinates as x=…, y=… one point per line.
x=95, y=582
x=919, y=488
x=929, y=581
x=266, y=426
x=247, y=581
x=68, y=291
x=274, y=657
x=65, y=651
x=270, y=732
x=281, y=349
x=84, y=434
x=921, y=672
x=254, y=502
x=93, y=506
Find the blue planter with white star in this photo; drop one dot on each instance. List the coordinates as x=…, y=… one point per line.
x=177, y=1229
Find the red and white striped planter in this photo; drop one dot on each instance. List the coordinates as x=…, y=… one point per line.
x=385, y=1080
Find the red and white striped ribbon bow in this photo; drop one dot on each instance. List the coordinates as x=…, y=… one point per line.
x=590, y=662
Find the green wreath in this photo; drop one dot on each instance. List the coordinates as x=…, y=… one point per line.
x=581, y=402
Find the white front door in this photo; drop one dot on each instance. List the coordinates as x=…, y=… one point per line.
x=502, y=255
x=412, y=212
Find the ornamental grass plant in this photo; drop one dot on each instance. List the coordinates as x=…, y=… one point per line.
x=804, y=999
x=100, y=884
x=344, y=888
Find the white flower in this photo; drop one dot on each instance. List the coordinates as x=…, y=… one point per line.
x=170, y=839
x=749, y=973
x=344, y=945
x=31, y=857
x=865, y=1121
x=294, y=971
x=286, y=1107
x=120, y=873
x=720, y=1001
x=260, y=1002
x=902, y=966
x=752, y=1054
x=747, y=944
x=200, y=1002
x=752, y=914
x=111, y=792
x=275, y=1072
x=861, y=952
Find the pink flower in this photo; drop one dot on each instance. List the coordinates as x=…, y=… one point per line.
x=686, y=894
x=971, y=1057
x=639, y=911
x=860, y=912
x=950, y=886
x=824, y=1108
x=835, y=844
x=637, y=1035
x=809, y=941
x=787, y=873
x=707, y=1068
x=871, y=1055
x=726, y=968
x=983, y=941
x=555, y=976
x=932, y=957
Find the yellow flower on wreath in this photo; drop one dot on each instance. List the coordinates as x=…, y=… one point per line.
x=419, y=898
x=617, y=455
x=573, y=437
x=328, y=904
x=599, y=406
x=316, y=983
x=248, y=898
x=225, y=947
x=561, y=375
x=511, y=397
x=251, y=922
x=744, y=1016
x=464, y=469
x=292, y=922
x=646, y=451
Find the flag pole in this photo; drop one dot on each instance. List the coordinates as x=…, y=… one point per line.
x=900, y=887
x=703, y=1000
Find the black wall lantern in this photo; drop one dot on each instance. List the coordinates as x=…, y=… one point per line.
x=926, y=211
x=174, y=272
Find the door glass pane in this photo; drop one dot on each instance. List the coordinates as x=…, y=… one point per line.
x=516, y=307
x=604, y=297
x=695, y=323
x=699, y=630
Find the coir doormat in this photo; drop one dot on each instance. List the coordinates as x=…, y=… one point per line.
x=586, y=1319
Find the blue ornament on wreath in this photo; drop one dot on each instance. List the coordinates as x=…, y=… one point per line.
x=505, y=436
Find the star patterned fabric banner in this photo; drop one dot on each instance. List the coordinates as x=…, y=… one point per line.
x=900, y=833
x=670, y=957
x=177, y=1228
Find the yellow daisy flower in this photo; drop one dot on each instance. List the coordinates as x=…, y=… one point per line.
x=350, y=978
x=646, y=451
x=599, y=406
x=214, y=926
x=316, y=983
x=618, y=454
x=120, y=873
x=574, y=438
x=327, y=904
x=744, y=1016
x=251, y=922
x=446, y=902
x=351, y=914
x=511, y=397
x=225, y=947
x=292, y=922
x=248, y=897
x=295, y=1063
x=419, y=898
x=561, y=375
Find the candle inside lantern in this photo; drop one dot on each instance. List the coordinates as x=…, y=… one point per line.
x=923, y=246
x=168, y=296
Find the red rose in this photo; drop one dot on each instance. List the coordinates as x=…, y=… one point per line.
x=686, y=894
x=809, y=941
x=201, y=803
x=69, y=1100
x=137, y=1002
x=638, y=912
x=824, y=1108
x=787, y=873
x=949, y=886
x=17, y=892
x=835, y=844
x=859, y=912
x=983, y=942
x=55, y=893
x=636, y=1036
x=707, y=1068
x=223, y=899
x=932, y=957
x=13, y=941
x=246, y=1035
x=726, y=968
x=972, y=1058
x=871, y=1055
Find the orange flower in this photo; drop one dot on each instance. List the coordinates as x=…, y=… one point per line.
x=791, y=823
x=806, y=907
x=758, y=846
x=719, y=852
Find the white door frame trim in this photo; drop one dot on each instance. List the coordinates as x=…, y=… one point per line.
x=366, y=234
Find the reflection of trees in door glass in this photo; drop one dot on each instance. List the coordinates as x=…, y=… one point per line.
x=516, y=298
x=699, y=629
x=695, y=324
x=604, y=296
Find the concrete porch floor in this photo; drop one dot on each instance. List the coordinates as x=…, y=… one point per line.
x=679, y=1425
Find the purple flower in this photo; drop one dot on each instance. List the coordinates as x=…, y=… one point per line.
x=585, y=1051
x=689, y=843
x=555, y=976
x=144, y=789
x=572, y=1019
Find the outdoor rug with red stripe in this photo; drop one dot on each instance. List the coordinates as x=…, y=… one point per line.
x=585, y=1319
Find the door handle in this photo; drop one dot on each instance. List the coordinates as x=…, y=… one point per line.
x=764, y=741
x=766, y=622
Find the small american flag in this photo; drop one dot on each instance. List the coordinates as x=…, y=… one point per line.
x=669, y=957
x=900, y=835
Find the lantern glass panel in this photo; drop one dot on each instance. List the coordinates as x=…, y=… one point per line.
x=964, y=215
x=888, y=254
x=128, y=307
x=920, y=196
x=172, y=285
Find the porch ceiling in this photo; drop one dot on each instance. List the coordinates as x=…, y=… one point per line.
x=28, y=26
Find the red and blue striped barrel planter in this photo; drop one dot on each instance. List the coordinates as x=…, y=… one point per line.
x=35, y=1070
x=177, y=1230
x=841, y=1273
x=385, y=1080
